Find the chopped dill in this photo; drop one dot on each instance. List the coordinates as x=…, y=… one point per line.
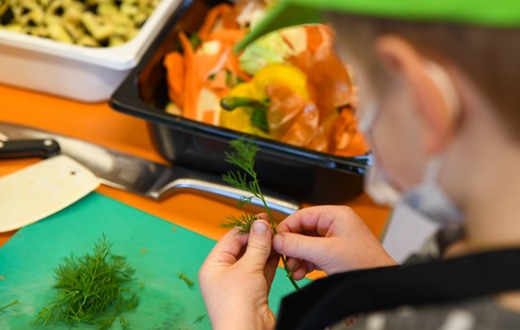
x=93, y=289
x=12, y=303
x=199, y=319
x=247, y=180
x=186, y=279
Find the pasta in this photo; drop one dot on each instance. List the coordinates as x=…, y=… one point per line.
x=92, y=23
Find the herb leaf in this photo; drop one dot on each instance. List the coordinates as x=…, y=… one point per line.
x=93, y=289
x=243, y=222
x=12, y=303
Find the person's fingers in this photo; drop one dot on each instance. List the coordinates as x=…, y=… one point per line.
x=300, y=268
x=258, y=246
x=262, y=216
x=298, y=246
x=227, y=249
x=316, y=220
x=270, y=267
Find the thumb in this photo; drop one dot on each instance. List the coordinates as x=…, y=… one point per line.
x=299, y=246
x=258, y=246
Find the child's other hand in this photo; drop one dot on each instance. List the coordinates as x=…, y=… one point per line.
x=236, y=278
x=330, y=238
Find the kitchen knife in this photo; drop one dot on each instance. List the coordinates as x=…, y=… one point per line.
x=141, y=176
x=27, y=148
x=41, y=189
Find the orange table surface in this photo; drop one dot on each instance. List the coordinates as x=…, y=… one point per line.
x=100, y=124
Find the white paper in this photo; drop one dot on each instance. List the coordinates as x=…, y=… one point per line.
x=406, y=232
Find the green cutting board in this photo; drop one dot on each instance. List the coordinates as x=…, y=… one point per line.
x=157, y=249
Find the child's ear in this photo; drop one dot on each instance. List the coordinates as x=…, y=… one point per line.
x=435, y=96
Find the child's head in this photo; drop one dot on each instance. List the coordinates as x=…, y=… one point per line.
x=443, y=55
x=475, y=72
x=489, y=56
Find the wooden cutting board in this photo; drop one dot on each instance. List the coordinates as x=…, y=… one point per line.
x=157, y=249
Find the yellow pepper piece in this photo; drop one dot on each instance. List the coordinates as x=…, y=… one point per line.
x=281, y=74
x=240, y=118
x=272, y=74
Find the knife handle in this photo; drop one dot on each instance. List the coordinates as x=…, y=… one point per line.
x=28, y=148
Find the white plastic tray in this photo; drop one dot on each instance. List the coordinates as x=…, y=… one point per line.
x=72, y=71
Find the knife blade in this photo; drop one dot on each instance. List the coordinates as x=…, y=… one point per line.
x=141, y=176
x=39, y=190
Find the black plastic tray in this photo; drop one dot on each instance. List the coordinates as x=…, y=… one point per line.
x=309, y=176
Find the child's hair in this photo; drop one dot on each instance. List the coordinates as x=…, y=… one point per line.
x=488, y=56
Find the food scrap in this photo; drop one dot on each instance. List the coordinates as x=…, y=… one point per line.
x=186, y=279
x=94, y=289
x=199, y=319
x=12, y=303
x=93, y=23
x=289, y=85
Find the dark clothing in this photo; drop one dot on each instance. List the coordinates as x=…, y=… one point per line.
x=424, y=293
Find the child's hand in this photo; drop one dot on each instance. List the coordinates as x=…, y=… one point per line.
x=330, y=238
x=236, y=278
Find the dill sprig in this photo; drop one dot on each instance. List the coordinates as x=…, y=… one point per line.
x=243, y=222
x=244, y=158
x=12, y=303
x=93, y=289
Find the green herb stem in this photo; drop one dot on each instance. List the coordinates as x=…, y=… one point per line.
x=284, y=258
x=12, y=303
x=258, y=108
